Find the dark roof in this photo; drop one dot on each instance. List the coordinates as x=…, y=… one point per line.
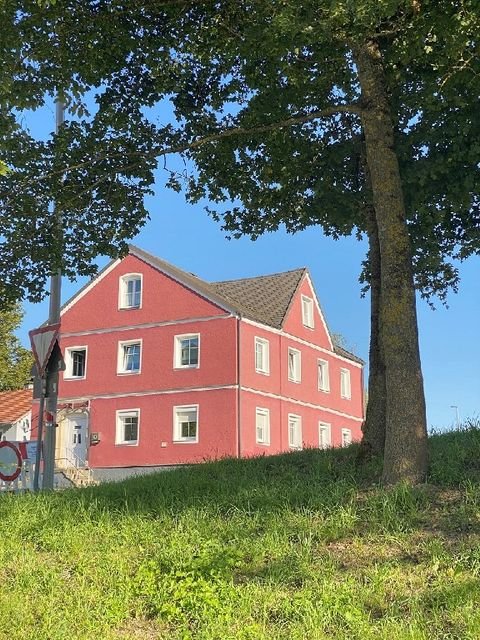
x=14, y=405
x=347, y=354
x=265, y=299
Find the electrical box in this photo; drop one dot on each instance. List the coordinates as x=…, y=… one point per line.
x=94, y=438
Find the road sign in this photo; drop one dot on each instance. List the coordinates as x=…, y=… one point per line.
x=43, y=340
x=10, y=462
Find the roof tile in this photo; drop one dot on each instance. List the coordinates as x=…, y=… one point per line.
x=14, y=405
x=265, y=299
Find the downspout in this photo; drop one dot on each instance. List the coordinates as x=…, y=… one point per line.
x=239, y=422
x=280, y=386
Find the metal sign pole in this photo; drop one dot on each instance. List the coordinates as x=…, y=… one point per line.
x=38, y=457
x=53, y=318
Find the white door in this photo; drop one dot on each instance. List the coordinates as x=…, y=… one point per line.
x=76, y=444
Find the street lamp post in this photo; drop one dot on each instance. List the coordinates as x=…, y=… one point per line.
x=457, y=415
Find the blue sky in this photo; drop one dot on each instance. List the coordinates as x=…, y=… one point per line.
x=184, y=235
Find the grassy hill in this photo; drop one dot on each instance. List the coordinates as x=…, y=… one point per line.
x=298, y=546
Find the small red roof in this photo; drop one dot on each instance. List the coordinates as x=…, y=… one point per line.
x=14, y=405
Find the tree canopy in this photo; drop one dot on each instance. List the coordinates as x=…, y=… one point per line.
x=15, y=361
x=252, y=78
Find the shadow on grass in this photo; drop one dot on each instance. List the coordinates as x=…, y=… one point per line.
x=308, y=482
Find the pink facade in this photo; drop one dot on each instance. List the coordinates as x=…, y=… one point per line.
x=164, y=368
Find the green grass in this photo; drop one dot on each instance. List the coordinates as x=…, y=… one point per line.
x=298, y=546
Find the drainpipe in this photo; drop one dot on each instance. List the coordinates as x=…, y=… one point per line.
x=239, y=396
x=280, y=383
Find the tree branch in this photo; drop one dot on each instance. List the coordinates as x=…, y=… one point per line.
x=215, y=137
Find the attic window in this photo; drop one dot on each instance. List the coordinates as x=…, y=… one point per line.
x=130, y=291
x=307, y=312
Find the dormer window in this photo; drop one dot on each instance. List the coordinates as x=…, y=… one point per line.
x=130, y=291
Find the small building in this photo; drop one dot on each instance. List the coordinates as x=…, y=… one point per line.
x=16, y=415
x=164, y=368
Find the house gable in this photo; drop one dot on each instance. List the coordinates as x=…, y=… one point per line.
x=164, y=298
x=318, y=333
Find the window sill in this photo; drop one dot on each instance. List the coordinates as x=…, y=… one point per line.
x=263, y=444
x=325, y=390
x=295, y=381
x=127, y=444
x=69, y=378
x=129, y=308
x=186, y=366
x=262, y=373
x=186, y=441
x=128, y=373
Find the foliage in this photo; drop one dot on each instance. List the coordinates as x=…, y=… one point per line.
x=15, y=360
x=265, y=100
x=302, y=545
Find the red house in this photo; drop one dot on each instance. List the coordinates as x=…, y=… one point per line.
x=163, y=368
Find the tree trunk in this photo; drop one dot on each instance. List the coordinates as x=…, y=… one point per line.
x=405, y=456
x=373, y=440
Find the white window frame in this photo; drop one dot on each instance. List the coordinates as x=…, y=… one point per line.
x=346, y=437
x=264, y=344
x=68, y=373
x=296, y=375
x=345, y=384
x=177, y=435
x=292, y=417
x=120, y=427
x=120, y=354
x=122, y=285
x=325, y=378
x=307, y=312
x=177, y=351
x=264, y=413
x=324, y=427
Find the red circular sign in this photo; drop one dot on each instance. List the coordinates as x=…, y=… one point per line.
x=10, y=462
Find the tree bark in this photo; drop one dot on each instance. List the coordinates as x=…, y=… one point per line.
x=373, y=440
x=405, y=455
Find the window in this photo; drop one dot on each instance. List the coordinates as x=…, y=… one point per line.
x=323, y=376
x=346, y=437
x=345, y=389
x=262, y=356
x=294, y=365
x=130, y=291
x=127, y=427
x=294, y=431
x=324, y=435
x=75, y=362
x=129, y=356
x=262, y=424
x=307, y=312
x=185, y=424
x=187, y=351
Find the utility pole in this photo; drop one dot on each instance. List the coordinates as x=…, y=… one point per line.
x=53, y=318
